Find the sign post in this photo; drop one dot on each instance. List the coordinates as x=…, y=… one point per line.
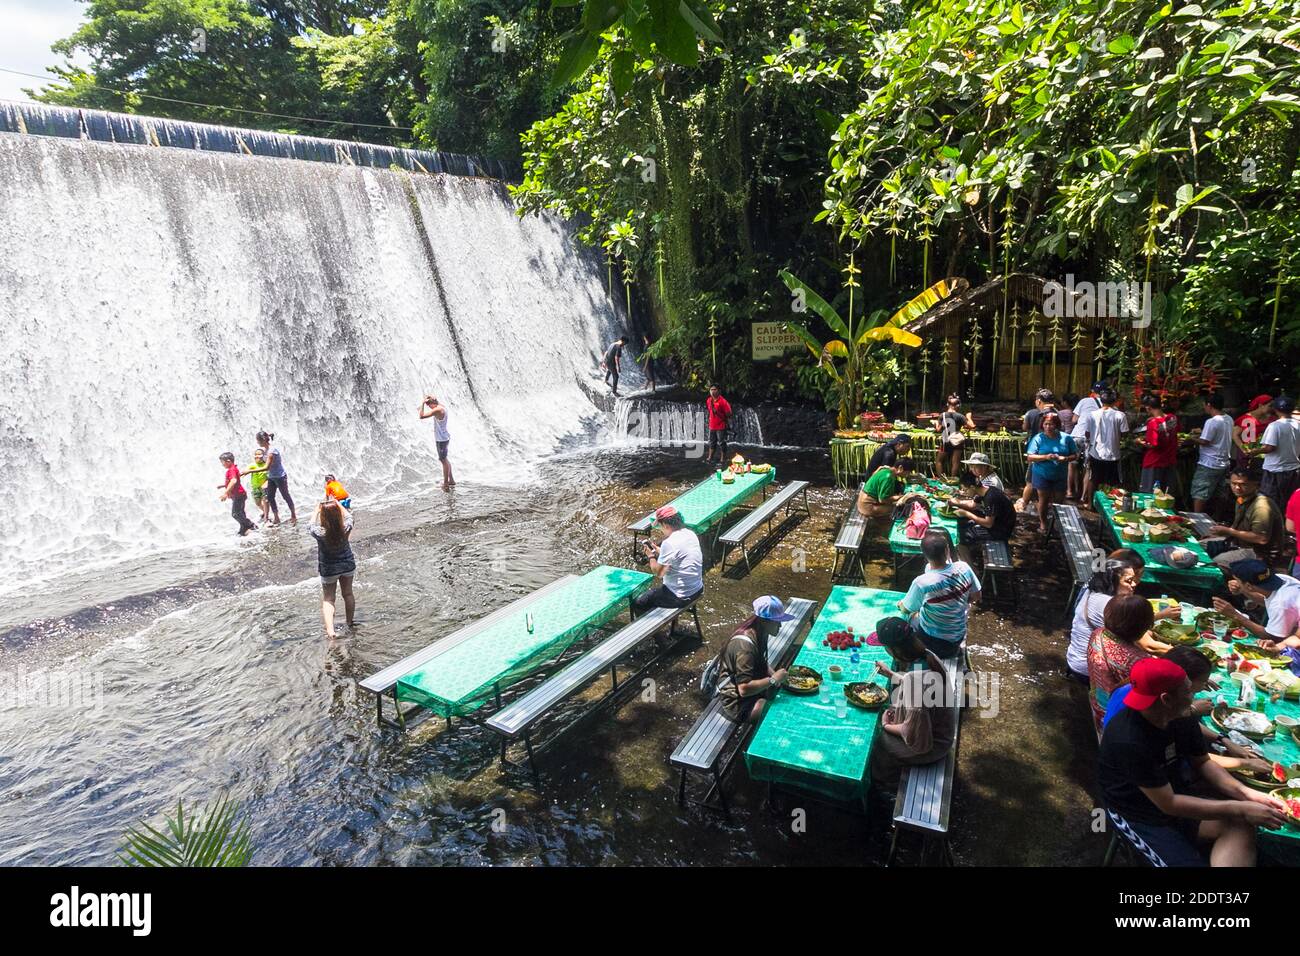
x=772, y=340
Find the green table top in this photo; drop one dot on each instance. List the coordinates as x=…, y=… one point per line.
x=800, y=741
x=711, y=499
x=1281, y=747
x=468, y=674
x=900, y=543
x=1205, y=575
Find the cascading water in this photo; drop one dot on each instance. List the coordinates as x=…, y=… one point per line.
x=159, y=306
x=673, y=423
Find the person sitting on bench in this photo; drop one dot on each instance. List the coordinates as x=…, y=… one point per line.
x=880, y=492
x=1146, y=752
x=747, y=678
x=983, y=514
x=939, y=600
x=678, y=561
x=920, y=724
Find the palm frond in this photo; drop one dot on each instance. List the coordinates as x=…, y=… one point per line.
x=217, y=838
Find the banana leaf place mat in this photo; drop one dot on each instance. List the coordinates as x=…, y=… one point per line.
x=800, y=742
x=1206, y=575
x=712, y=499
x=470, y=673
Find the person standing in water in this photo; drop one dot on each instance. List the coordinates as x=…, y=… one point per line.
x=719, y=410
x=649, y=362
x=432, y=408
x=257, y=479
x=277, y=479
x=233, y=491
x=331, y=526
x=612, y=362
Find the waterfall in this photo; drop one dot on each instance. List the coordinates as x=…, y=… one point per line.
x=674, y=423
x=160, y=306
x=133, y=129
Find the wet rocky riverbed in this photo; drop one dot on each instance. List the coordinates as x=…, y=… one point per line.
x=221, y=682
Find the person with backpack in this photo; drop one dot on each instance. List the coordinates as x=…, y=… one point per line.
x=740, y=674
x=939, y=600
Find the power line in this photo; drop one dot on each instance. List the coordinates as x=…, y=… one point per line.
x=233, y=109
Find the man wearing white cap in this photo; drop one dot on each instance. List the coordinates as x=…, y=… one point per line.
x=983, y=469
x=678, y=561
x=745, y=677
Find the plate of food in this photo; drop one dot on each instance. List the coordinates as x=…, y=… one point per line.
x=802, y=680
x=867, y=695
x=1171, y=632
x=1266, y=780
x=1213, y=621
x=1253, y=652
x=1249, y=723
x=1290, y=797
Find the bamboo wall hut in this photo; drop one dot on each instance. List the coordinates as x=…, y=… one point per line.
x=994, y=341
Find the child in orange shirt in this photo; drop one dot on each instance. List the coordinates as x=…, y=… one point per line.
x=336, y=491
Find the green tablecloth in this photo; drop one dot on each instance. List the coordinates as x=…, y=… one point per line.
x=849, y=456
x=900, y=543
x=712, y=499
x=800, y=741
x=1205, y=576
x=468, y=675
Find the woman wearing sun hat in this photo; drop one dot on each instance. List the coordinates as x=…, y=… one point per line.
x=979, y=463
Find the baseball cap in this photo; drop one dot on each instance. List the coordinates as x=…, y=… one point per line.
x=1257, y=401
x=1254, y=571
x=1284, y=404
x=977, y=458
x=770, y=608
x=667, y=511
x=1151, y=677
x=893, y=631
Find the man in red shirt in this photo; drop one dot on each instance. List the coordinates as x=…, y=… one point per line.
x=719, y=421
x=233, y=491
x=1160, y=458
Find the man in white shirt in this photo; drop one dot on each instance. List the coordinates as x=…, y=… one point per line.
x=1215, y=439
x=1281, y=447
x=1255, y=581
x=1082, y=409
x=1101, y=430
x=678, y=561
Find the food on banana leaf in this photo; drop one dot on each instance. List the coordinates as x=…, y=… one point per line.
x=802, y=680
x=1171, y=632
x=865, y=694
x=1250, y=723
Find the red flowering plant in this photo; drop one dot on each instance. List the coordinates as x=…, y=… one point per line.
x=1169, y=371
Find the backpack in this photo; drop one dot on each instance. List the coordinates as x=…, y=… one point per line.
x=918, y=520
x=715, y=674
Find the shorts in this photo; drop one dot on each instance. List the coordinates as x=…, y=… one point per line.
x=738, y=709
x=718, y=439
x=442, y=449
x=1046, y=484
x=1172, y=844
x=1280, y=486
x=259, y=494
x=1103, y=472
x=943, y=649
x=1207, y=481
x=660, y=596
x=346, y=503
x=332, y=578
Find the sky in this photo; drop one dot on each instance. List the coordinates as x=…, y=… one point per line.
x=27, y=28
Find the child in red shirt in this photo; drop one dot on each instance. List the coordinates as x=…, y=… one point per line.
x=233, y=491
x=1160, y=459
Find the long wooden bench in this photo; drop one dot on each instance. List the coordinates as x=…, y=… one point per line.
x=848, y=545
x=701, y=750
x=924, y=800
x=997, y=564
x=518, y=718
x=1080, y=554
x=385, y=681
x=742, y=529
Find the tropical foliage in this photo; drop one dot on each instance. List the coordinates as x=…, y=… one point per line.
x=217, y=838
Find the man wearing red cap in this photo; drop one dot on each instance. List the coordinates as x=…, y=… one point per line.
x=1248, y=427
x=1148, y=752
x=678, y=560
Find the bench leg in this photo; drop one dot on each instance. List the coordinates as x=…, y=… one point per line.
x=681, y=790
x=745, y=551
x=893, y=848
x=532, y=761
x=698, y=630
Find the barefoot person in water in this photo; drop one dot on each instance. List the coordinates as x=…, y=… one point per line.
x=233, y=491
x=277, y=479
x=431, y=408
x=331, y=526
